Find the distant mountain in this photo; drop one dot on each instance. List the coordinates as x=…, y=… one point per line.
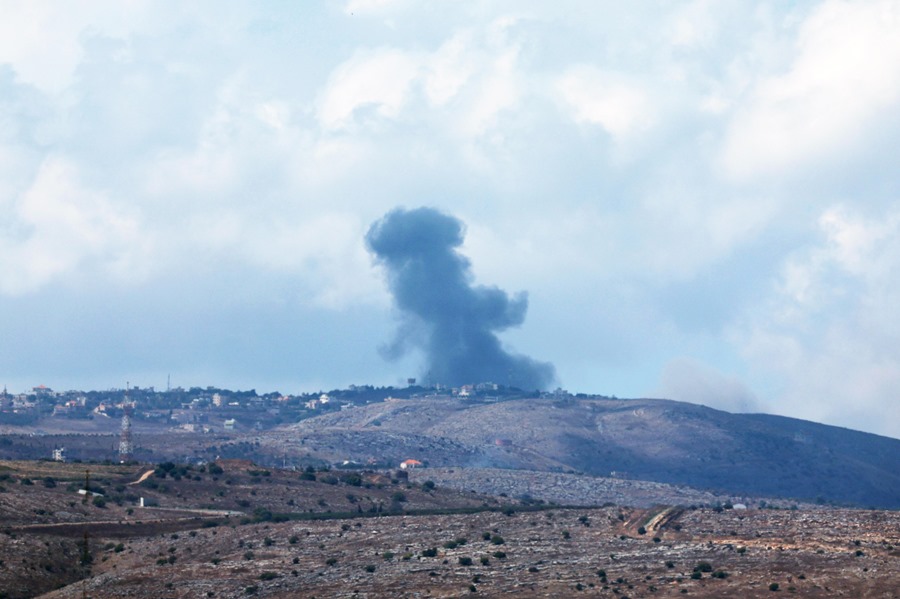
x=648, y=439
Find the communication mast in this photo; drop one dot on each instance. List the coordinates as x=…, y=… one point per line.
x=126, y=445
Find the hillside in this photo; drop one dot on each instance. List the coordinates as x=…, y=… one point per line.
x=233, y=529
x=646, y=439
x=552, y=553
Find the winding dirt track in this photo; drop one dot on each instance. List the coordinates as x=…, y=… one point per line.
x=143, y=477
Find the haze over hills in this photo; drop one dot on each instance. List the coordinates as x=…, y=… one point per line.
x=660, y=441
x=649, y=439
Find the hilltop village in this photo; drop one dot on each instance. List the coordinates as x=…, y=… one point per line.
x=211, y=411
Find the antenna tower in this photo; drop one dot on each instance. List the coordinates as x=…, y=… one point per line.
x=126, y=445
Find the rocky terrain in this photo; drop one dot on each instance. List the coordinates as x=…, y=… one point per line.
x=657, y=441
x=234, y=529
x=652, y=440
x=611, y=552
x=531, y=498
x=572, y=489
x=43, y=515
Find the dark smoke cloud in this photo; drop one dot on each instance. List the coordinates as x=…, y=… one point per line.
x=452, y=321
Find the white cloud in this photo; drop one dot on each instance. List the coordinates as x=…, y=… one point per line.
x=44, y=42
x=694, y=25
x=65, y=229
x=606, y=99
x=326, y=250
x=828, y=331
x=844, y=79
x=379, y=80
x=449, y=68
x=689, y=225
x=245, y=148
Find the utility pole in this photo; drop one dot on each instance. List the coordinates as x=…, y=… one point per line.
x=87, y=486
x=126, y=444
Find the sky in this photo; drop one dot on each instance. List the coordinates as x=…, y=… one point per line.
x=701, y=199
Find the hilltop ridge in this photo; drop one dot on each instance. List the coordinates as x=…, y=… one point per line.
x=648, y=439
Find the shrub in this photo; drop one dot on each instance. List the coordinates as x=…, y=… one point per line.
x=370, y=568
x=293, y=540
x=499, y=554
x=49, y=482
x=485, y=560
x=533, y=569
x=98, y=501
x=696, y=575
x=670, y=564
x=703, y=567
x=432, y=552
x=428, y=485
x=642, y=530
x=331, y=561
x=497, y=540
x=262, y=515
x=248, y=555
x=465, y=561
x=773, y=586
x=722, y=574
x=388, y=555
x=268, y=576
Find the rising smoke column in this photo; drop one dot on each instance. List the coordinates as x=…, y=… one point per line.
x=444, y=315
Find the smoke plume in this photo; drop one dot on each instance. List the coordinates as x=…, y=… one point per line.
x=453, y=322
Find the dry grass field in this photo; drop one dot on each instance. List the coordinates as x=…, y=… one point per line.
x=192, y=546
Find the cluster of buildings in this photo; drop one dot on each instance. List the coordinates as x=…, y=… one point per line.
x=209, y=410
